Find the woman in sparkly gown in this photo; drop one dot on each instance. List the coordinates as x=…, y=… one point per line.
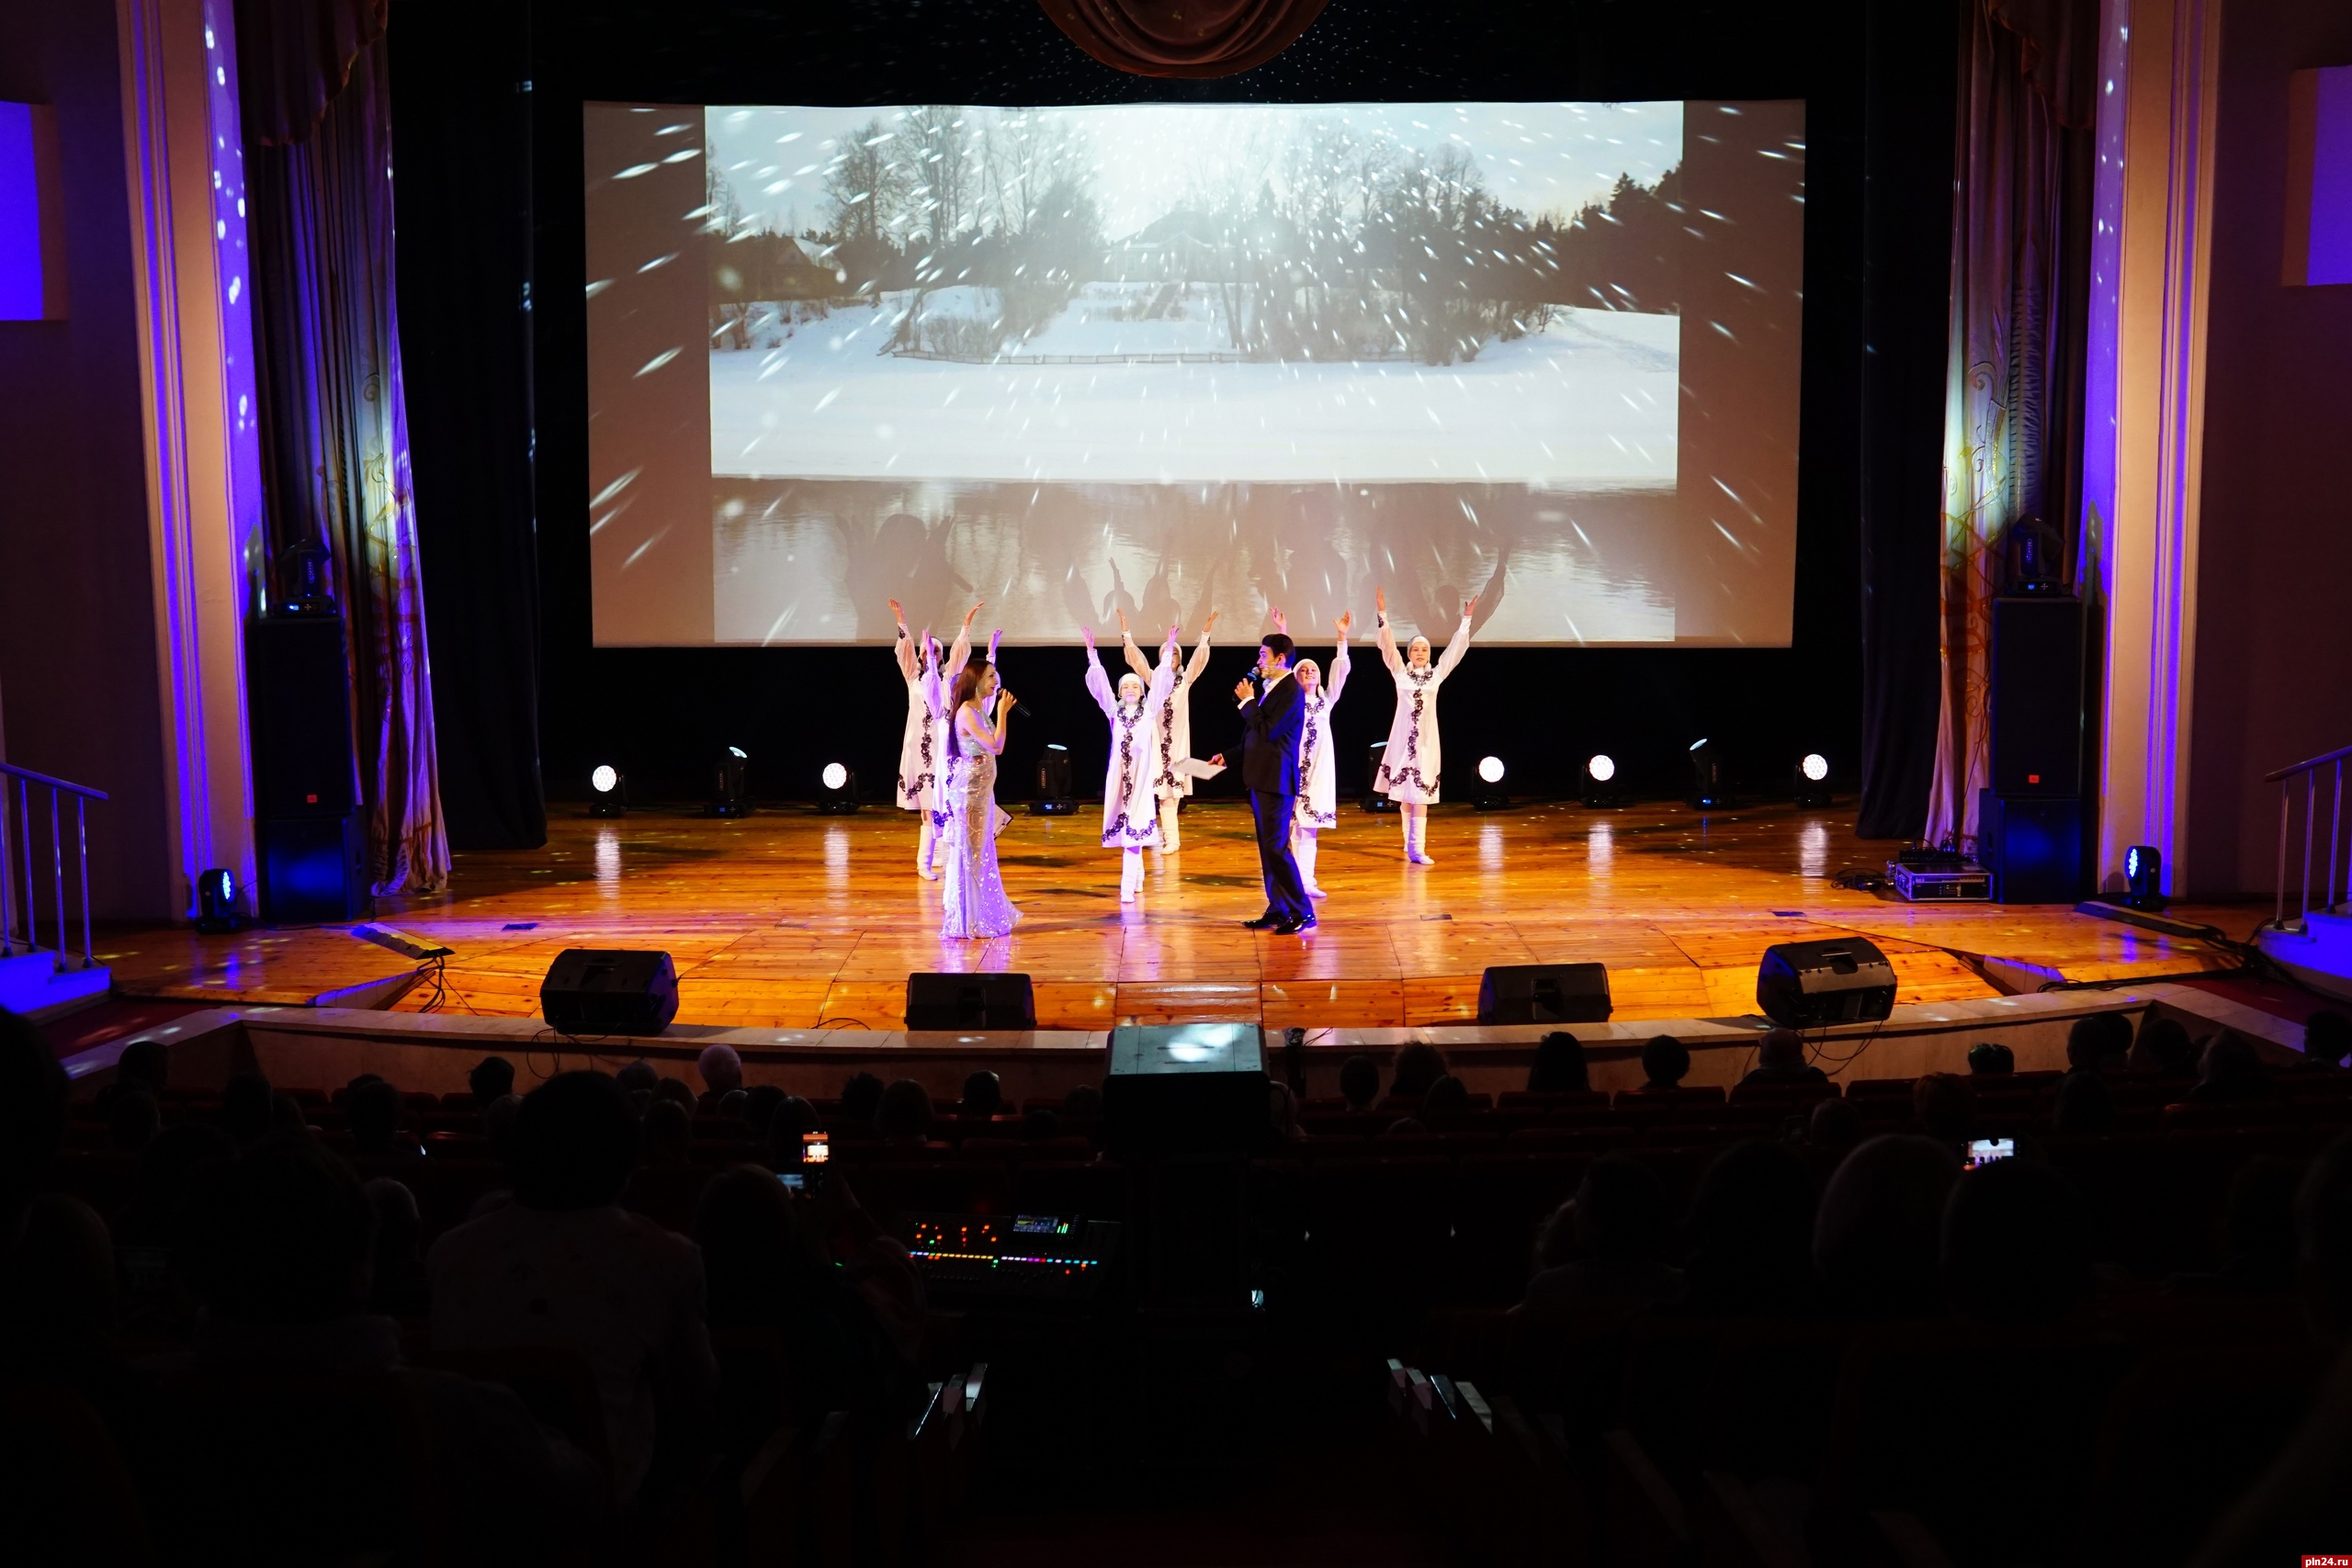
x=973, y=893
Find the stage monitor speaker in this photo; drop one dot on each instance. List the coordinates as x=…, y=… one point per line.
x=312, y=869
x=2036, y=691
x=1544, y=993
x=1184, y=1088
x=1805, y=985
x=298, y=688
x=970, y=1001
x=2032, y=846
x=590, y=990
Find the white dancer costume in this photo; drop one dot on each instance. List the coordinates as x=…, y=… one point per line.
x=1410, y=765
x=1171, y=737
x=923, y=749
x=1318, y=792
x=1130, y=809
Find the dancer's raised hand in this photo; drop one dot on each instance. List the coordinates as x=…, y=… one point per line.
x=1468, y=605
x=1379, y=600
x=1282, y=622
x=1210, y=624
x=1347, y=618
x=1124, y=632
x=898, y=613
x=975, y=609
x=1086, y=636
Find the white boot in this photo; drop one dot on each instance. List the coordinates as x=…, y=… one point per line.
x=1416, y=821
x=927, y=850
x=1301, y=849
x=1171, y=841
x=1130, y=875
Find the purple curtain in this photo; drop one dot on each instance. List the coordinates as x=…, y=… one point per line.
x=318, y=150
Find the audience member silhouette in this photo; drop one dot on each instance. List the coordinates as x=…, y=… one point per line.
x=1780, y=1059
x=905, y=1115
x=171, y=1167
x=2017, y=1244
x=498, y=1127
x=2229, y=1072
x=133, y=1119
x=1083, y=1103
x=793, y=1118
x=983, y=1096
x=1604, y=1244
x=680, y=1093
x=1944, y=1107
x=1360, y=1082
x=861, y=1098
x=1751, y=1233
x=564, y=1264
x=144, y=1064
x=372, y=1113
x=721, y=1068
x=1988, y=1059
x=1666, y=1062
x=400, y=1288
x=2164, y=1046
x=2084, y=1104
x=1559, y=1065
x=665, y=1131
x=247, y=1112
x=2258, y=1233
x=2090, y=1044
x=492, y=1079
x=1834, y=1126
x=1877, y=1235
x=759, y=1107
x=640, y=1076
x=280, y=1254
x=1416, y=1067
x=1446, y=1096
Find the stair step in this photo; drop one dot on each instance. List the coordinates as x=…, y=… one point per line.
x=32, y=985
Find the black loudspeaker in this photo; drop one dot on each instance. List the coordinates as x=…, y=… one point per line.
x=312, y=869
x=297, y=702
x=1186, y=1089
x=2032, y=846
x=590, y=990
x=1804, y=984
x=2036, y=692
x=1544, y=993
x=970, y=1001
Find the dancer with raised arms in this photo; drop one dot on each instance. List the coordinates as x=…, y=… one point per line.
x=972, y=892
x=1318, y=794
x=1171, y=739
x=922, y=746
x=1130, y=807
x=1410, y=764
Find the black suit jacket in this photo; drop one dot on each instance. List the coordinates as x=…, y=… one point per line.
x=1272, y=723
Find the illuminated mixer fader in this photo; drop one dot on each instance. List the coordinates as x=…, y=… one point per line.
x=1037, y=1256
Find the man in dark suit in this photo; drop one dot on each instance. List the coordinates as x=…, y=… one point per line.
x=1273, y=716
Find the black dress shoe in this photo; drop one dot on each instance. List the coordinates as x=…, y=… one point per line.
x=1292, y=928
x=1267, y=921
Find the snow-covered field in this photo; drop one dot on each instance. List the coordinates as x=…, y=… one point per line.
x=1587, y=404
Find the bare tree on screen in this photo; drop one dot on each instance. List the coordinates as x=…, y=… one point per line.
x=867, y=187
x=944, y=169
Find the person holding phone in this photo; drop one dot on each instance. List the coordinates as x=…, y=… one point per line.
x=972, y=889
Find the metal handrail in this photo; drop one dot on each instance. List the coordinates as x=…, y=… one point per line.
x=16, y=836
x=2338, y=755
x=84, y=791
x=2308, y=773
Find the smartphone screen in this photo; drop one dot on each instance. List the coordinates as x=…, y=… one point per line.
x=1983, y=1152
x=791, y=1179
x=816, y=1148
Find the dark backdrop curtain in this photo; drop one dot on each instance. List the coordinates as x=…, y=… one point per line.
x=462, y=143
x=318, y=152
x=1183, y=38
x=1906, y=217
x=2020, y=247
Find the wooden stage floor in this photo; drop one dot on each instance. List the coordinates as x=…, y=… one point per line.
x=790, y=920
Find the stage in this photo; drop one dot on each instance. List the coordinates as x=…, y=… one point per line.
x=790, y=920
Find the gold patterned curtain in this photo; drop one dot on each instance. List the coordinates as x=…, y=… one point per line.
x=2013, y=380
x=319, y=150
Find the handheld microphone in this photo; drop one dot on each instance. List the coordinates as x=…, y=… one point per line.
x=1023, y=709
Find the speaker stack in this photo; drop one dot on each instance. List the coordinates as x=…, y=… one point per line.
x=2030, y=821
x=310, y=835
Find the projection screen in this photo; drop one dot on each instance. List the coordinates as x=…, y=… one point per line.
x=1164, y=358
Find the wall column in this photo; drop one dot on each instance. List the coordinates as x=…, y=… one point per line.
x=2145, y=410
x=185, y=158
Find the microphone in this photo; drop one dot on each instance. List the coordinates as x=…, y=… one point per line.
x=1023, y=709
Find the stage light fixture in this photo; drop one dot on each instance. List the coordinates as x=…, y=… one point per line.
x=216, y=901
x=731, y=794
x=1601, y=781
x=1490, y=795
x=1707, y=791
x=1812, y=780
x=1053, y=782
x=1372, y=799
x=2144, y=875
x=839, y=796
x=610, y=792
